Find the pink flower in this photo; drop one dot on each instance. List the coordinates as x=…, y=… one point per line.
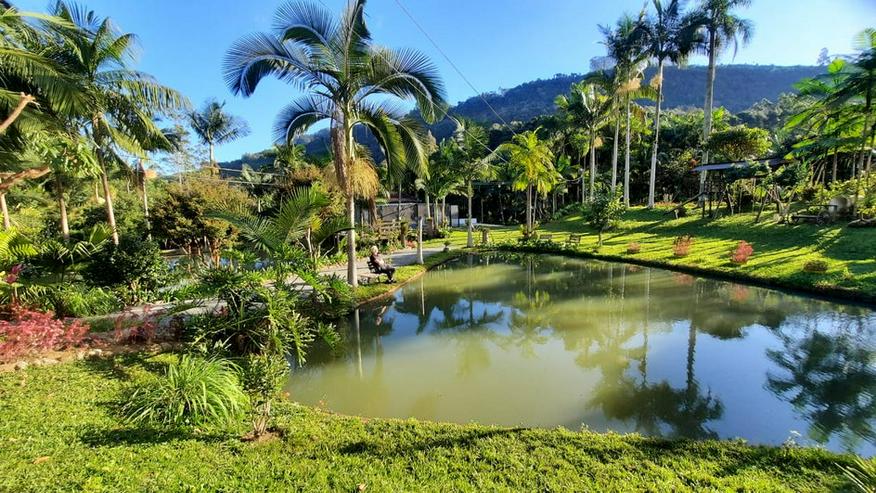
x=11, y=278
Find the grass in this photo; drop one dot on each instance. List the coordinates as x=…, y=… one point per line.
x=780, y=250
x=58, y=431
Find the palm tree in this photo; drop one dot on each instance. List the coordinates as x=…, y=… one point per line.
x=530, y=161
x=626, y=46
x=120, y=102
x=349, y=79
x=441, y=181
x=214, y=126
x=588, y=108
x=859, y=87
x=469, y=163
x=722, y=29
x=671, y=37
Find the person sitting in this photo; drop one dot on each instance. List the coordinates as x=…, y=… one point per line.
x=381, y=266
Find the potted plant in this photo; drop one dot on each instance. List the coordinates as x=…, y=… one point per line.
x=446, y=245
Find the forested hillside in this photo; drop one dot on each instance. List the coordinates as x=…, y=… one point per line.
x=737, y=88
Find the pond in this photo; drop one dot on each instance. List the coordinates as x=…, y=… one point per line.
x=546, y=341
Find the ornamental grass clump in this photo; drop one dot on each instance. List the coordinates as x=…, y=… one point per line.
x=193, y=391
x=816, y=266
x=742, y=253
x=634, y=248
x=681, y=245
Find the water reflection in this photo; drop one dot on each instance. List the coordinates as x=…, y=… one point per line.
x=546, y=341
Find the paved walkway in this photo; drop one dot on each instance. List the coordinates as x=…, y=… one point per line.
x=398, y=258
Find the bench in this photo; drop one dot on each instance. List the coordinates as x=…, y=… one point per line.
x=573, y=240
x=373, y=274
x=546, y=237
x=389, y=231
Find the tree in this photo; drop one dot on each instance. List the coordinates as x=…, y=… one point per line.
x=69, y=158
x=350, y=80
x=671, y=36
x=722, y=29
x=442, y=179
x=586, y=107
x=214, y=126
x=469, y=151
x=530, y=163
x=120, y=103
x=626, y=46
x=739, y=143
x=604, y=210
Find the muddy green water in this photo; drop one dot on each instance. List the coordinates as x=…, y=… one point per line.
x=550, y=341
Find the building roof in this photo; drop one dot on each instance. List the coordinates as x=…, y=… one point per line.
x=771, y=162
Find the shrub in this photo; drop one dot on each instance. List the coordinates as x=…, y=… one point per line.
x=192, y=392
x=742, y=252
x=74, y=300
x=136, y=264
x=681, y=245
x=263, y=376
x=634, y=248
x=816, y=265
x=31, y=331
x=331, y=299
x=604, y=211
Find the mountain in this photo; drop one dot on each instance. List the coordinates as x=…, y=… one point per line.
x=737, y=88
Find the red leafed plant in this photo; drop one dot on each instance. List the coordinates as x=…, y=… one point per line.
x=742, y=252
x=30, y=331
x=681, y=245
x=129, y=327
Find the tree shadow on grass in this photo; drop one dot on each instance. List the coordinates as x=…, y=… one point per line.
x=468, y=439
x=111, y=437
x=119, y=366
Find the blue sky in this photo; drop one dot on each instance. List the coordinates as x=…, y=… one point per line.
x=495, y=43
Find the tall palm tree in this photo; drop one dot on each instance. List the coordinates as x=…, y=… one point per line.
x=469, y=163
x=349, y=80
x=722, y=29
x=530, y=161
x=120, y=102
x=626, y=46
x=441, y=181
x=588, y=108
x=214, y=126
x=859, y=89
x=671, y=36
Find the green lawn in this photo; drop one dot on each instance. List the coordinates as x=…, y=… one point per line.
x=780, y=250
x=58, y=432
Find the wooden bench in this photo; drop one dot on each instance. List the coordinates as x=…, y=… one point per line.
x=389, y=231
x=546, y=237
x=373, y=274
x=826, y=215
x=573, y=240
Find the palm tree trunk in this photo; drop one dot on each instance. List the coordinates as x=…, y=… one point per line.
x=652, y=182
x=7, y=224
x=707, y=110
x=145, y=199
x=470, y=238
x=398, y=202
x=835, y=159
x=62, y=208
x=214, y=168
x=108, y=202
x=342, y=147
x=614, y=154
x=529, y=208
x=592, y=165
x=627, y=158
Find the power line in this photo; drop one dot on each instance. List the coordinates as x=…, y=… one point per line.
x=447, y=58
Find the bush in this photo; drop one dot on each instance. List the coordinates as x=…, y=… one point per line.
x=72, y=300
x=263, y=376
x=332, y=299
x=634, y=248
x=681, y=245
x=816, y=265
x=742, y=252
x=192, y=392
x=135, y=263
x=31, y=331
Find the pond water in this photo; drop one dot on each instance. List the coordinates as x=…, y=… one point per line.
x=545, y=341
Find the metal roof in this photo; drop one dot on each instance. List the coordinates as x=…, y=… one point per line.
x=772, y=162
